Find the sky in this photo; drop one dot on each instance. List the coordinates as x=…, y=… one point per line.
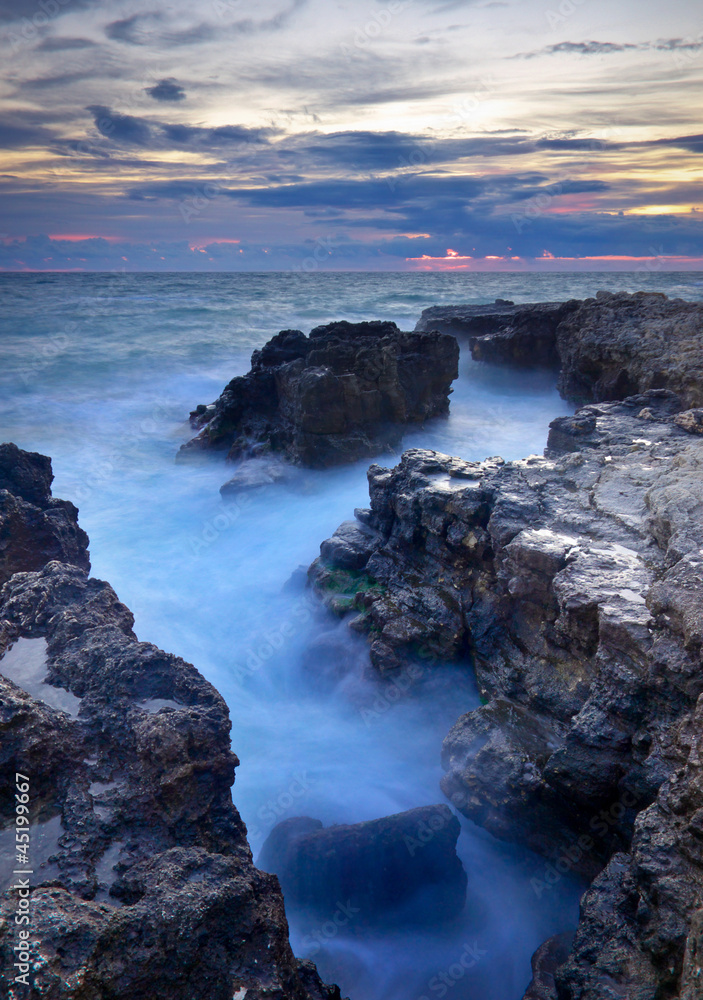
x=351, y=134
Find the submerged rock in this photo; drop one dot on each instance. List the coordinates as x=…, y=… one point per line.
x=347, y=391
x=143, y=881
x=401, y=868
x=573, y=582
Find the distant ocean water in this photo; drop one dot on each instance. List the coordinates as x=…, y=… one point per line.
x=100, y=371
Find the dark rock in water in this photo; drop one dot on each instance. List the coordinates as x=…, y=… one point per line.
x=573, y=581
x=347, y=391
x=401, y=867
x=607, y=348
x=143, y=882
x=256, y=474
x=546, y=961
x=523, y=335
x=35, y=527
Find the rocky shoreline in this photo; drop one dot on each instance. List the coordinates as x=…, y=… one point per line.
x=572, y=582
x=143, y=883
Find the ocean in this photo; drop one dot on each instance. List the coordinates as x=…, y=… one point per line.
x=100, y=371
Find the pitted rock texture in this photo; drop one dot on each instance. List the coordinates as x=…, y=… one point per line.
x=144, y=884
x=347, y=391
x=573, y=581
x=617, y=345
x=392, y=870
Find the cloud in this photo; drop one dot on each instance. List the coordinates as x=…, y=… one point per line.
x=167, y=89
x=16, y=10
x=17, y=134
x=593, y=48
x=64, y=44
x=122, y=128
x=147, y=28
x=589, y=48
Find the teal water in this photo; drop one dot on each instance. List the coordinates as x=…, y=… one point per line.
x=100, y=371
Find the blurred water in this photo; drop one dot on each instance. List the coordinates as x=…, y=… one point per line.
x=100, y=372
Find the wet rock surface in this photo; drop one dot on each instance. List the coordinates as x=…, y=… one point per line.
x=347, y=391
x=573, y=582
x=389, y=871
x=144, y=883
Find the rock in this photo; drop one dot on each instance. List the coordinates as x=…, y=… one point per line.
x=143, y=880
x=567, y=580
x=548, y=958
x=572, y=581
x=347, y=391
x=522, y=335
x=607, y=348
x=640, y=927
x=617, y=345
x=399, y=868
x=256, y=474
x=35, y=527
x=691, y=421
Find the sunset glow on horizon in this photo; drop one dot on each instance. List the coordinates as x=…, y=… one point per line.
x=356, y=136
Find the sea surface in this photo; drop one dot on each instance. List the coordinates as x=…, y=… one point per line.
x=100, y=371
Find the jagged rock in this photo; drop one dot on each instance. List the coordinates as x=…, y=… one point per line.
x=548, y=958
x=523, y=335
x=143, y=880
x=35, y=527
x=398, y=868
x=607, y=348
x=617, y=345
x=567, y=581
x=347, y=391
x=573, y=582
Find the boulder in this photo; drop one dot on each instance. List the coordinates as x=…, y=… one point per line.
x=401, y=868
x=347, y=391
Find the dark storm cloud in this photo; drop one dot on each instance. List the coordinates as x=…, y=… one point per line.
x=167, y=90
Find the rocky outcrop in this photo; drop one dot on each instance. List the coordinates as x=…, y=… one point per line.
x=143, y=883
x=347, y=391
x=34, y=526
x=617, y=345
x=572, y=581
x=397, y=869
x=504, y=333
x=607, y=348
